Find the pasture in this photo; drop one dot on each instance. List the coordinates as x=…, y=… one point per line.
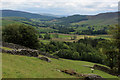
x=67, y=37
x=15, y=66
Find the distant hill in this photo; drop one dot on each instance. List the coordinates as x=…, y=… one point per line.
x=12, y=16
x=101, y=19
x=72, y=19
x=13, y=13
x=16, y=20
x=52, y=15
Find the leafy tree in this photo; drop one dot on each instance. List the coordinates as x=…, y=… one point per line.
x=47, y=36
x=21, y=34
x=75, y=55
x=116, y=39
x=65, y=53
x=40, y=36
x=109, y=50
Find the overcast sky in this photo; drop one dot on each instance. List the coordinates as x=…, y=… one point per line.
x=62, y=7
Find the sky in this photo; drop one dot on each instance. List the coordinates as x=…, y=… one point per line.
x=62, y=7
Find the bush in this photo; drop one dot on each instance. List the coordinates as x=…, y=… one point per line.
x=65, y=53
x=75, y=55
x=68, y=54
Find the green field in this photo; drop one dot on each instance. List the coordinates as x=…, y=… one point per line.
x=6, y=22
x=67, y=37
x=15, y=66
x=45, y=29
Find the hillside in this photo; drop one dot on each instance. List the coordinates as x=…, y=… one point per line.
x=74, y=24
x=22, y=20
x=13, y=13
x=13, y=20
x=101, y=19
x=72, y=19
x=15, y=66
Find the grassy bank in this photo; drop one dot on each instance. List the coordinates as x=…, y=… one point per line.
x=15, y=66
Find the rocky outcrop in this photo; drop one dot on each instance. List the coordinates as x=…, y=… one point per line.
x=45, y=59
x=28, y=52
x=71, y=72
x=13, y=46
x=93, y=77
x=21, y=50
x=85, y=76
x=48, y=55
x=25, y=52
x=105, y=69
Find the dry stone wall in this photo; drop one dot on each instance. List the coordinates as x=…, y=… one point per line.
x=21, y=50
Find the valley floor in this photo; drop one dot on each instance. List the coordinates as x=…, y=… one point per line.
x=67, y=37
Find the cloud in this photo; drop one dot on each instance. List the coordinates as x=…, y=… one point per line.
x=62, y=7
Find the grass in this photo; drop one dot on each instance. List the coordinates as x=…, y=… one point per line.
x=46, y=29
x=6, y=48
x=44, y=41
x=104, y=36
x=59, y=34
x=64, y=35
x=15, y=66
x=7, y=22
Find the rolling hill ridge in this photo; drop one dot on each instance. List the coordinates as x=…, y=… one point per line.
x=99, y=19
x=13, y=13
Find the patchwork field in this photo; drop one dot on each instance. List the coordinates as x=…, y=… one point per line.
x=42, y=29
x=67, y=37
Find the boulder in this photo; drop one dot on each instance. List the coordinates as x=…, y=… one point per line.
x=13, y=46
x=71, y=72
x=29, y=52
x=25, y=52
x=85, y=76
x=45, y=59
x=93, y=77
x=105, y=69
x=48, y=55
x=118, y=75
